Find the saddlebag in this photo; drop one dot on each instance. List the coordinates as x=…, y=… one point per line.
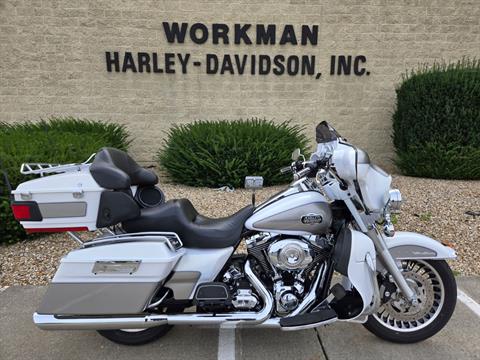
x=106, y=278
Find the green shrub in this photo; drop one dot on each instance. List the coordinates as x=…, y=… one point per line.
x=57, y=140
x=217, y=153
x=436, y=125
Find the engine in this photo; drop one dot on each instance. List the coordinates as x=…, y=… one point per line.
x=289, y=262
x=291, y=254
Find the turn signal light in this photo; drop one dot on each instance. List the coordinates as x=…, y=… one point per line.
x=448, y=244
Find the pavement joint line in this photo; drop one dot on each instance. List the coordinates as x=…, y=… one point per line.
x=226, y=343
x=468, y=301
x=324, y=351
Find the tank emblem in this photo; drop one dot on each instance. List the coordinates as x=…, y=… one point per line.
x=312, y=218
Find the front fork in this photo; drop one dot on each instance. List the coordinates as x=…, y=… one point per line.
x=389, y=263
x=383, y=253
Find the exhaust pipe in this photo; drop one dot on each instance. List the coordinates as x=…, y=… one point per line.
x=57, y=322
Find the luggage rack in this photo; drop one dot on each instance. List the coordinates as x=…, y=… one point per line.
x=108, y=237
x=45, y=168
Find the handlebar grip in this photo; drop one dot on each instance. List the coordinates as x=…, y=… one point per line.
x=303, y=172
x=286, y=170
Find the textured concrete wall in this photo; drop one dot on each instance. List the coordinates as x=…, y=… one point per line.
x=53, y=62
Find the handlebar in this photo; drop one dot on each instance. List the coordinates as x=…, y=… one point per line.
x=301, y=169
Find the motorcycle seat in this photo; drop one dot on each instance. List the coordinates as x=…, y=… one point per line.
x=116, y=170
x=195, y=231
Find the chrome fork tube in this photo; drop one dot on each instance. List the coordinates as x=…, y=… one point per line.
x=389, y=262
x=382, y=252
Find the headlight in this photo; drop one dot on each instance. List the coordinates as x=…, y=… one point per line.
x=395, y=200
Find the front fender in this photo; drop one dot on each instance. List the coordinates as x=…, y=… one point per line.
x=408, y=245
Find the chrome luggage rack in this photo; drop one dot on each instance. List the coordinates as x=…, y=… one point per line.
x=45, y=168
x=108, y=237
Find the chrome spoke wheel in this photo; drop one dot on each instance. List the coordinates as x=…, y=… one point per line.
x=399, y=315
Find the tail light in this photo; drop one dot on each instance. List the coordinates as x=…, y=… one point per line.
x=26, y=211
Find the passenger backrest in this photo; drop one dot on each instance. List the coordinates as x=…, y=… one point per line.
x=115, y=169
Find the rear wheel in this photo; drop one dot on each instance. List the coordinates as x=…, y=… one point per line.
x=135, y=336
x=398, y=321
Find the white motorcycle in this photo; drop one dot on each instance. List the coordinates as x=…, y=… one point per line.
x=152, y=264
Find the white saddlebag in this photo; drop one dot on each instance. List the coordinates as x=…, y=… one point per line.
x=111, y=278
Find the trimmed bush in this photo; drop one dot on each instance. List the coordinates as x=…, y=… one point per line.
x=57, y=140
x=218, y=153
x=436, y=125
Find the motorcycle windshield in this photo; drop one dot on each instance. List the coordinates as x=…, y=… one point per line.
x=325, y=133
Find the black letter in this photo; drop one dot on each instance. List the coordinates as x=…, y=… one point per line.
x=332, y=64
x=288, y=36
x=174, y=32
x=308, y=64
x=143, y=60
x=156, y=69
x=264, y=60
x=184, y=62
x=292, y=65
x=356, y=68
x=113, y=61
x=278, y=61
x=193, y=33
x=227, y=65
x=128, y=63
x=212, y=59
x=241, y=34
x=169, y=62
x=266, y=36
x=241, y=65
x=344, y=65
x=310, y=34
x=219, y=31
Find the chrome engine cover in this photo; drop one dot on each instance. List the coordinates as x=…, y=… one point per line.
x=290, y=254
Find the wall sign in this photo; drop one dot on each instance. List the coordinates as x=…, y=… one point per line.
x=234, y=63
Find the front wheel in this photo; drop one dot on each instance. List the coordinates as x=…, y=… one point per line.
x=398, y=321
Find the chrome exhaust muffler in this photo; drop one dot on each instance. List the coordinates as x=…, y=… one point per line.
x=58, y=322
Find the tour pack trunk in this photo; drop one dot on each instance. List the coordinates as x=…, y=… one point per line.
x=61, y=202
x=116, y=275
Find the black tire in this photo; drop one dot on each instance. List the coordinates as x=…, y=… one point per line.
x=450, y=289
x=135, y=338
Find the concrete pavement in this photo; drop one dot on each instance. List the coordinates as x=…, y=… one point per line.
x=20, y=339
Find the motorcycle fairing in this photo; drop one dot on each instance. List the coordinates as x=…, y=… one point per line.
x=361, y=269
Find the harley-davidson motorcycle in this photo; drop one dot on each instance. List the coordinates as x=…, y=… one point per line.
x=323, y=250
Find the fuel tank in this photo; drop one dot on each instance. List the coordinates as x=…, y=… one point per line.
x=302, y=213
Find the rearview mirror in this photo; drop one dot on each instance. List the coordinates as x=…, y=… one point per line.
x=253, y=182
x=296, y=154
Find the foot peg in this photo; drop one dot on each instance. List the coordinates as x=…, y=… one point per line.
x=323, y=315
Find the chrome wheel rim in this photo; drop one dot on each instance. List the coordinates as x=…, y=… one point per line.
x=397, y=314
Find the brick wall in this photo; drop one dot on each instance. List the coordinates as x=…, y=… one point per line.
x=53, y=62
